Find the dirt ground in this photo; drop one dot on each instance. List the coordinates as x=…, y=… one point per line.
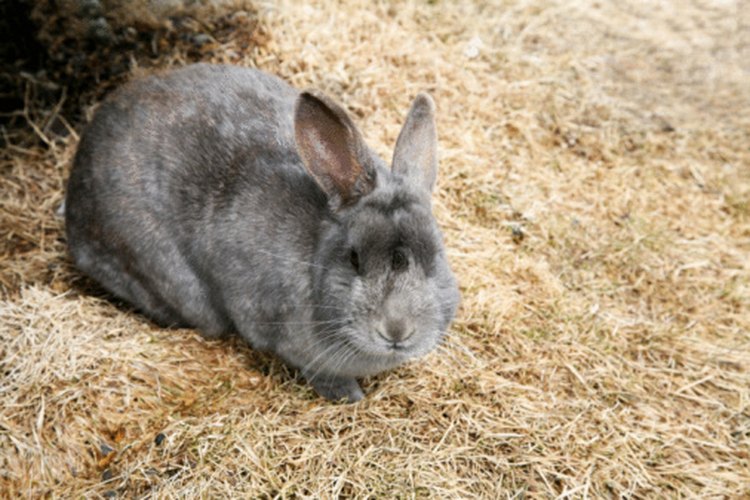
x=594, y=191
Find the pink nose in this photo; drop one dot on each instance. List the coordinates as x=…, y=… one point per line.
x=396, y=330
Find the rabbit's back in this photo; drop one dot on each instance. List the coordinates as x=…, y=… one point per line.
x=187, y=135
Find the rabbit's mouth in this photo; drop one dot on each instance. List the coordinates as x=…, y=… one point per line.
x=392, y=351
x=398, y=343
x=372, y=352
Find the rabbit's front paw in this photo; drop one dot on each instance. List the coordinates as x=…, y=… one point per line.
x=346, y=390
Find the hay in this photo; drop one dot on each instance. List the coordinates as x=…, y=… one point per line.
x=594, y=193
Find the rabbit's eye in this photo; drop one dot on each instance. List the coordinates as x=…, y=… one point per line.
x=354, y=259
x=400, y=261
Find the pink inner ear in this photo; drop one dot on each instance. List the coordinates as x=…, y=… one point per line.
x=329, y=145
x=332, y=161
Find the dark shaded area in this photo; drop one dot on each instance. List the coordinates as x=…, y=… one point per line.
x=21, y=55
x=57, y=57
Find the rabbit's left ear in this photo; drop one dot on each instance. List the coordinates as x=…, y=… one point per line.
x=332, y=149
x=415, y=155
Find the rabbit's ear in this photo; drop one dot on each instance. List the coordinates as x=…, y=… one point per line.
x=332, y=149
x=415, y=155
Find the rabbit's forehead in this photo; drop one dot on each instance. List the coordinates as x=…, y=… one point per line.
x=379, y=230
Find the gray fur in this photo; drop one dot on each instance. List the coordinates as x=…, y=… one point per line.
x=199, y=196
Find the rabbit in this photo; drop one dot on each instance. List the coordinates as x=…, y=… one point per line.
x=220, y=198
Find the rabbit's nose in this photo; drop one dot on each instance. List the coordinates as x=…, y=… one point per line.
x=398, y=330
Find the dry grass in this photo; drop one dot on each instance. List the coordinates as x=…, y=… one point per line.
x=595, y=194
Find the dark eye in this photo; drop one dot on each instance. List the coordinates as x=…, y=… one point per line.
x=354, y=259
x=400, y=262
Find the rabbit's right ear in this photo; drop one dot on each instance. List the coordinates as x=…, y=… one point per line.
x=332, y=149
x=415, y=154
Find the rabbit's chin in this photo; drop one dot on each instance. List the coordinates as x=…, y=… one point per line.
x=377, y=358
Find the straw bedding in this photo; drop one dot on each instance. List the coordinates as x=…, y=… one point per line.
x=595, y=196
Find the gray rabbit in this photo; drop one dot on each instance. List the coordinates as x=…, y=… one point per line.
x=220, y=198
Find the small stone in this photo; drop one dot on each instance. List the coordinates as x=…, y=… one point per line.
x=201, y=39
x=473, y=48
x=159, y=439
x=100, y=31
x=517, y=233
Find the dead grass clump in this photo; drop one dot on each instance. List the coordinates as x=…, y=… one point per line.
x=593, y=191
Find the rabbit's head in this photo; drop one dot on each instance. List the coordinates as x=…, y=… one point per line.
x=384, y=292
